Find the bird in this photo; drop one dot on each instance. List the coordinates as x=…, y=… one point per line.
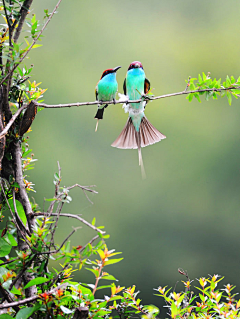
x=106, y=90
x=138, y=131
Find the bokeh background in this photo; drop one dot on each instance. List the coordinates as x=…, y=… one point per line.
x=186, y=213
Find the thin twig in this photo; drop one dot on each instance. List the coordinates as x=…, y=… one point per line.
x=90, y=242
x=4, y=132
x=8, y=262
x=59, y=179
x=19, y=275
x=58, y=198
x=136, y=101
x=57, y=250
x=34, y=41
x=77, y=217
x=189, y=78
x=56, y=222
x=9, y=24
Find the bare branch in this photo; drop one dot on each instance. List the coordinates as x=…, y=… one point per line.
x=23, y=13
x=56, y=222
x=4, y=132
x=57, y=250
x=22, y=194
x=58, y=198
x=26, y=300
x=8, y=22
x=74, y=216
x=90, y=242
x=8, y=262
x=139, y=100
x=34, y=41
x=189, y=78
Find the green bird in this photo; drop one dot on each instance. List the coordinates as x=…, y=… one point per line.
x=138, y=131
x=106, y=90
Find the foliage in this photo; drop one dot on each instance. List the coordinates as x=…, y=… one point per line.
x=214, y=88
x=209, y=302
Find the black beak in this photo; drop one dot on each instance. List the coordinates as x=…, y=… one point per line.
x=115, y=69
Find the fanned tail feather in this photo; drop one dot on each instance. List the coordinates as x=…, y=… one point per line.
x=129, y=138
x=148, y=135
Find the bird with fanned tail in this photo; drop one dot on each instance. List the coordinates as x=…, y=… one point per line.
x=138, y=131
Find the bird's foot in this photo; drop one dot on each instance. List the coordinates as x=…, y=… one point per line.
x=146, y=97
x=114, y=101
x=100, y=102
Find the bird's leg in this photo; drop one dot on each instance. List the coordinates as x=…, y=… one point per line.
x=114, y=101
x=100, y=102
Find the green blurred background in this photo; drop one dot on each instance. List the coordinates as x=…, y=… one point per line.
x=186, y=213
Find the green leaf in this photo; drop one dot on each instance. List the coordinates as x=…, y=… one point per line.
x=36, y=281
x=174, y=310
x=109, y=277
x=228, y=81
x=12, y=240
x=190, y=97
x=5, y=316
x=229, y=96
x=20, y=71
x=197, y=97
x=94, y=271
x=93, y=221
x=5, y=248
x=36, y=46
x=26, y=153
x=112, y=261
x=232, y=80
x=103, y=287
x=20, y=210
x=24, y=313
x=15, y=291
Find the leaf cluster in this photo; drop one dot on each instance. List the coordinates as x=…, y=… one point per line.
x=204, y=85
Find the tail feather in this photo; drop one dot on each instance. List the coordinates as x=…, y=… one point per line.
x=130, y=138
x=140, y=160
x=147, y=132
x=99, y=114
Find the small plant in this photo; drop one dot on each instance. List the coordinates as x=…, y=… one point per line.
x=209, y=301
